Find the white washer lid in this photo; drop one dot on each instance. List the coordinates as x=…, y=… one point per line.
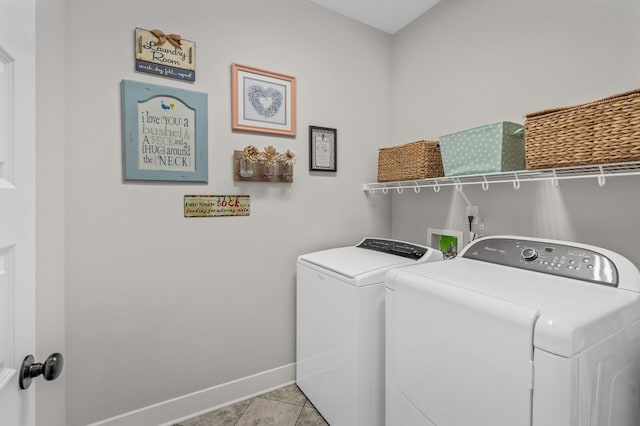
x=572, y=314
x=358, y=265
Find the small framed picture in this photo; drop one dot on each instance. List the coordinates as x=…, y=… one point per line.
x=322, y=149
x=263, y=101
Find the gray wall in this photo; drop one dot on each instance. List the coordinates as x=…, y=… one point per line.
x=157, y=305
x=467, y=63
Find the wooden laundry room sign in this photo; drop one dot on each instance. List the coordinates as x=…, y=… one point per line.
x=167, y=55
x=216, y=205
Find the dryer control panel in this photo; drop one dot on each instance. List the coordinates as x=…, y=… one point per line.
x=549, y=258
x=399, y=248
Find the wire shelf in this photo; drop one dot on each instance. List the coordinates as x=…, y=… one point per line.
x=600, y=172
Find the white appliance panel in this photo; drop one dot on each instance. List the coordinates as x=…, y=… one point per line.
x=605, y=380
x=574, y=314
x=449, y=323
x=361, y=266
x=338, y=366
x=340, y=327
x=325, y=303
x=556, y=390
x=461, y=356
x=399, y=411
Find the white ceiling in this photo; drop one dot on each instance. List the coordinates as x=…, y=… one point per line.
x=389, y=16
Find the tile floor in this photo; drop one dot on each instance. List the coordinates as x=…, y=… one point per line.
x=286, y=406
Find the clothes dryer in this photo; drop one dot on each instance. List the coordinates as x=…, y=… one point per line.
x=513, y=332
x=340, y=326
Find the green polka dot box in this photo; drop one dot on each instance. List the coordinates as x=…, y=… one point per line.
x=493, y=148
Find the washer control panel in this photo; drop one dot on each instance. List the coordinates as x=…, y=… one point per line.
x=398, y=248
x=555, y=259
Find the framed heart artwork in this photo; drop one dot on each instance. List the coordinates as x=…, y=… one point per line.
x=263, y=101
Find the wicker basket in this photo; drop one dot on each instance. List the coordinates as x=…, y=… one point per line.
x=604, y=131
x=415, y=160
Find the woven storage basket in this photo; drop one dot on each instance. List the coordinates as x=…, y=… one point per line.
x=415, y=160
x=604, y=131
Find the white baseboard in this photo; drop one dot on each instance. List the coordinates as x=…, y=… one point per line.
x=196, y=403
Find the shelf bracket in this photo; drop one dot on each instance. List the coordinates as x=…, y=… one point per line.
x=516, y=182
x=436, y=187
x=399, y=189
x=485, y=184
x=416, y=188
x=466, y=200
x=554, y=179
x=601, y=177
x=458, y=184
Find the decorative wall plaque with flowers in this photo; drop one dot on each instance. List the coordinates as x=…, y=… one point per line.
x=167, y=55
x=263, y=101
x=267, y=165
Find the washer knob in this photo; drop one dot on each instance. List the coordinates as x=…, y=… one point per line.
x=529, y=254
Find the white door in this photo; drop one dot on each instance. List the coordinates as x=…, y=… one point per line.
x=17, y=207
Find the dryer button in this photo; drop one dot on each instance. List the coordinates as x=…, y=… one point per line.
x=529, y=254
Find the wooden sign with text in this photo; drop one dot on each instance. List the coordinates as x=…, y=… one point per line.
x=164, y=133
x=167, y=55
x=216, y=205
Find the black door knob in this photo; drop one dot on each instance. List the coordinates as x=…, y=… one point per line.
x=50, y=369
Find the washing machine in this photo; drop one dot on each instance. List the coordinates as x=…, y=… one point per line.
x=515, y=331
x=340, y=326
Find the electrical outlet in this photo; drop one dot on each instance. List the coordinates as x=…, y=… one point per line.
x=475, y=212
